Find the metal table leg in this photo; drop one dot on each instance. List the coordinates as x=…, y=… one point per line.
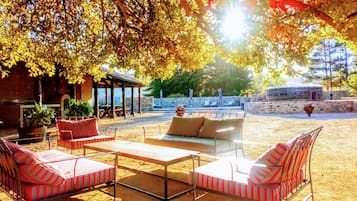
x=165, y=177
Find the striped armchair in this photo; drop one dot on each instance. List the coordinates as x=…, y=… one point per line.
x=278, y=174
x=73, y=134
x=52, y=174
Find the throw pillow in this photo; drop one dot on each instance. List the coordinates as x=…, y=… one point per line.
x=85, y=128
x=268, y=166
x=185, y=126
x=14, y=147
x=210, y=127
x=32, y=169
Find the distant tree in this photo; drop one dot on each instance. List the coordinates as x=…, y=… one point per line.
x=352, y=86
x=180, y=83
x=227, y=76
x=205, y=82
x=330, y=64
x=262, y=82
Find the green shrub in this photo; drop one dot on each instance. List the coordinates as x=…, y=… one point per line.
x=39, y=116
x=177, y=95
x=79, y=108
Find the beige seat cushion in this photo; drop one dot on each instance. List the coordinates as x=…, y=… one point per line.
x=204, y=145
x=185, y=126
x=210, y=127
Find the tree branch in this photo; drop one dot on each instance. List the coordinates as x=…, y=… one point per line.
x=201, y=7
x=352, y=15
x=187, y=7
x=323, y=16
x=330, y=21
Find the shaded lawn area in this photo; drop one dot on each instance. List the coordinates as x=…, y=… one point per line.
x=334, y=159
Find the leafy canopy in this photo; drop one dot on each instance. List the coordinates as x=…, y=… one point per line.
x=153, y=37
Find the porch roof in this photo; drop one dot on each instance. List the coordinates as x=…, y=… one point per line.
x=119, y=79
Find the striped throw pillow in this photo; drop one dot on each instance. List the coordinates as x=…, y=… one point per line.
x=85, y=128
x=267, y=168
x=14, y=147
x=33, y=170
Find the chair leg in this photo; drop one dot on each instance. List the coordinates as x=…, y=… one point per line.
x=311, y=189
x=194, y=187
x=242, y=150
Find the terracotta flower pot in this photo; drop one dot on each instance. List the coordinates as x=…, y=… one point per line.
x=308, y=108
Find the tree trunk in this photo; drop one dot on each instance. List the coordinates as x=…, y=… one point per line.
x=40, y=90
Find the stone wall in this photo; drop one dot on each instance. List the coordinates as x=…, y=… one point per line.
x=299, y=92
x=324, y=95
x=336, y=94
x=354, y=105
x=291, y=107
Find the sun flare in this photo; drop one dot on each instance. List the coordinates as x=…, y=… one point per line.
x=234, y=25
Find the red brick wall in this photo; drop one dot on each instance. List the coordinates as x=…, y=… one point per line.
x=19, y=88
x=18, y=85
x=10, y=115
x=53, y=88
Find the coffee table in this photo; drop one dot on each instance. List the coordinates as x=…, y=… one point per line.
x=160, y=155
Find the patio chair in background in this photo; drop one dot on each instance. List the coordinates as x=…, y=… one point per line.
x=214, y=103
x=157, y=104
x=74, y=134
x=228, y=103
x=206, y=103
x=278, y=174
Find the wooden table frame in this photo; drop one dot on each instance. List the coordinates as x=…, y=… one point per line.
x=159, y=155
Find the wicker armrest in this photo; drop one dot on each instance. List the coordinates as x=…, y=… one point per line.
x=65, y=131
x=223, y=131
x=109, y=131
x=151, y=129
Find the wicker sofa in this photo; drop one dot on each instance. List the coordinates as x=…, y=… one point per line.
x=200, y=133
x=50, y=174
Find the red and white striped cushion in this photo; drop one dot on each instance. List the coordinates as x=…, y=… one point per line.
x=86, y=174
x=80, y=129
x=41, y=174
x=32, y=169
x=79, y=142
x=85, y=128
x=14, y=147
x=64, y=125
x=268, y=167
x=217, y=176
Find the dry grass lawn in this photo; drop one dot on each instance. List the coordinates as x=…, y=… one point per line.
x=334, y=159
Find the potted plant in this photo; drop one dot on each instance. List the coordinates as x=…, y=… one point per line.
x=79, y=108
x=35, y=122
x=309, y=108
